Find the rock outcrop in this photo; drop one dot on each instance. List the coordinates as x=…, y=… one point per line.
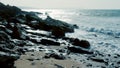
x=14, y=37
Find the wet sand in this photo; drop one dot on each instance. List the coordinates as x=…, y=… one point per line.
x=37, y=60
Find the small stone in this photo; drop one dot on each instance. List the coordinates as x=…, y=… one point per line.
x=30, y=59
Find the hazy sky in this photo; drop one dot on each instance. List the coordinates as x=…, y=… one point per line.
x=84, y=4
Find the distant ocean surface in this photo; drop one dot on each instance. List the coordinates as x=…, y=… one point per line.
x=100, y=27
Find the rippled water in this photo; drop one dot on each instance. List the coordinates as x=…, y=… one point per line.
x=100, y=27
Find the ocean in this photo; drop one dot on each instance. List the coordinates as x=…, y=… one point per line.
x=100, y=27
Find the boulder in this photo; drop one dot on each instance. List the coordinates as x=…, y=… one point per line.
x=81, y=43
x=57, y=32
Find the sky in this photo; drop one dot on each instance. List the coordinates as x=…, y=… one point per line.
x=80, y=4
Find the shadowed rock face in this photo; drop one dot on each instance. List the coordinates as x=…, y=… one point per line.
x=81, y=43
x=7, y=61
x=59, y=24
x=7, y=11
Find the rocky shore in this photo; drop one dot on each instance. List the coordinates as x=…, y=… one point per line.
x=28, y=41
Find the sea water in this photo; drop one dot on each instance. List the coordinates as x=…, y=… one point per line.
x=100, y=27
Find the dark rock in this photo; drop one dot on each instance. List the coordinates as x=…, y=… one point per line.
x=49, y=42
x=4, y=48
x=30, y=59
x=4, y=36
x=98, y=60
x=53, y=24
x=21, y=50
x=89, y=65
x=80, y=50
x=18, y=33
x=31, y=16
x=7, y=11
x=34, y=40
x=57, y=27
x=57, y=32
x=81, y=43
x=10, y=26
x=55, y=55
x=14, y=20
x=62, y=51
x=21, y=18
x=3, y=28
x=20, y=43
x=75, y=26
x=7, y=60
x=3, y=22
x=34, y=24
x=58, y=66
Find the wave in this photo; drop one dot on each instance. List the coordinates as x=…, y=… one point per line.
x=102, y=31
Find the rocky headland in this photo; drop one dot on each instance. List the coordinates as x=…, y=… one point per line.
x=28, y=41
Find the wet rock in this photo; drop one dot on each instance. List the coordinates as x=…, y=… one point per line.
x=18, y=33
x=21, y=18
x=3, y=28
x=53, y=24
x=21, y=43
x=34, y=40
x=21, y=50
x=49, y=42
x=31, y=16
x=81, y=43
x=4, y=36
x=57, y=32
x=34, y=24
x=75, y=26
x=4, y=49
x=17, y=20
x=57, y=27
x=80, y=50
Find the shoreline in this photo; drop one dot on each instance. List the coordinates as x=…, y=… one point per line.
x=23, y=47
